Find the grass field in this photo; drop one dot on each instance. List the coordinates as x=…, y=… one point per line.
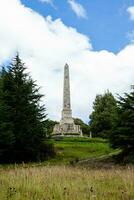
x=59, y=179
x=66, y=183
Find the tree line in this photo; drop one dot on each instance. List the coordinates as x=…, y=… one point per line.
x=113, y=119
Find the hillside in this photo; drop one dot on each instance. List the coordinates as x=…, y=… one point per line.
x=71, y=150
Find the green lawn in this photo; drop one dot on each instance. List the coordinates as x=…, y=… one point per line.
x=69, y=149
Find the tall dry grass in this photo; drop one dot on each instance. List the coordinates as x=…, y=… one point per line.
x=66, y=183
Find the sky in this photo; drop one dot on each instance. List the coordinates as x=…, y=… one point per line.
x=95, y=37
x=106, y=22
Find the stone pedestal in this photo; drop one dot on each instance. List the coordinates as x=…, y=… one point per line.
x=66, y=125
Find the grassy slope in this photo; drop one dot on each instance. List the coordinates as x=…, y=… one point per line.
x=71, y=149
x=68, y=149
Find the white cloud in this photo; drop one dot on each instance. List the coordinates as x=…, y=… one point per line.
x=46, y=45
x=130, y=10
x=130, y=36
x=78, y=9
x=47, y=1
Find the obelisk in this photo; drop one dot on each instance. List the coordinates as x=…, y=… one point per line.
x=66, y=127
x=66, y=112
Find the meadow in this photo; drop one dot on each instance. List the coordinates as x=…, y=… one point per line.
x=62, y=179
x=66, y=183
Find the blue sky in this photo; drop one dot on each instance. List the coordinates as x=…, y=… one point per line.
x=107, y=23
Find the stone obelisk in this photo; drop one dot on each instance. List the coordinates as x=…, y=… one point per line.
x=66, y=112
x=66, y=125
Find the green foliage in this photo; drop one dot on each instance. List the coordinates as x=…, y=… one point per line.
x=48, y=126
x=21, y=115
x=85, y=128
x=103, y=115
x=7, y=137
x=123, y=131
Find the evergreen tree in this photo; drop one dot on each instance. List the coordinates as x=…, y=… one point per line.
x=123, y=131
x=101, y=119
x=7, y=138
x=22, y=115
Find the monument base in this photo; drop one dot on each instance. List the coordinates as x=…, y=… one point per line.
x=67, y=129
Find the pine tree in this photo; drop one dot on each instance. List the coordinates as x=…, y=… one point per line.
x=122, y=136
x=104, y=112
x=26, y=116
x=7, y=138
